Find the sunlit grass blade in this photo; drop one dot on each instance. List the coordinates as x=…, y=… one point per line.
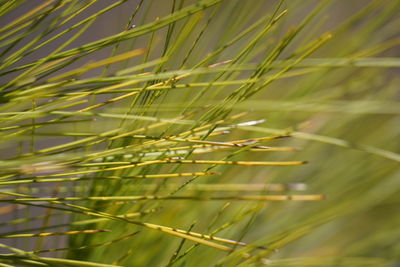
x=54, y=234
x=149, y=197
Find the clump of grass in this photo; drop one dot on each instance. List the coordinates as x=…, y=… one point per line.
x=182, y=137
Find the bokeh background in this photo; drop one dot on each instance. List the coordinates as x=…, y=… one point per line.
x=339, y=107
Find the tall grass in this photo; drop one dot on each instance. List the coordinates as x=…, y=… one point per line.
x=199, y=133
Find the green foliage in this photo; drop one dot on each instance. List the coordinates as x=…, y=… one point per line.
x=176, y=133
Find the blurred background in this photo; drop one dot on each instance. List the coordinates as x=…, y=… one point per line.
x=339, y=107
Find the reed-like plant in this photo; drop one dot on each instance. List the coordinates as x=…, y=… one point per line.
x=176, y=133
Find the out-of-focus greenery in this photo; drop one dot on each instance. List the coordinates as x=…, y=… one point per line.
x=199, y=133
